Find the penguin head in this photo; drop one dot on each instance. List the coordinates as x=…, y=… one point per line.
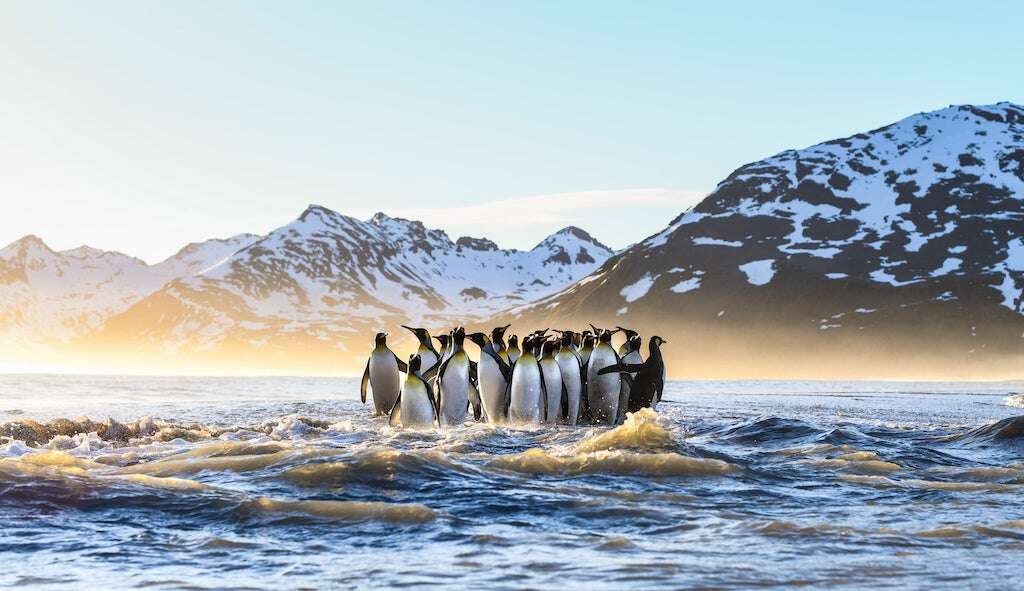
x=605, y=336
x=597, y=330
x=478, y=338
x=421, y=334
x=381, y=339
x=634, y=342
x=549, y=349
x=513, y=341
x=567, y=336
x=657, y=341
x=459, y=337
x=443, y=339
x=629, y=333
x=414, y=364
x=588, y=340
x=498, y=333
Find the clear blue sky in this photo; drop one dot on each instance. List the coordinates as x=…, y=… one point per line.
x=140, y=125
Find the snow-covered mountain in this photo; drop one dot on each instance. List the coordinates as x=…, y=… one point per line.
x=897, y=245
x=326, y=282
x=51, y=298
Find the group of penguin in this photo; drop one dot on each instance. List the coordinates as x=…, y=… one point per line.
x=568, y=378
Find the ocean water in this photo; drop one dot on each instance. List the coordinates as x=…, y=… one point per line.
x=270, y=483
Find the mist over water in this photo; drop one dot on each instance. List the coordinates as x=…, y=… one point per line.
x=288, y=482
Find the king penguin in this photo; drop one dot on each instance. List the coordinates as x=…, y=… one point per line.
x=630, y=334
x=428, y=354
x=382, y=375
x=416, y=407
x=513, y=349
x=493, y=375
x=498, y=341
x=453, y=382
x=603, y=390
x=558, y=405
x=526, y=393
x=571, y=368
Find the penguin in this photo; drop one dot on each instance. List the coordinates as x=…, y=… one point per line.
x=445, y=340
x=453, y=382
x=382, y=375
x=603, y=390
x=557, y=403
x=624, y=347
x=428, y=354
x=649, y=382
x=587, y=347
x=573, y=377
x=493, y=375
x=631, y=355
x=513, y=349
x=527, y=396
x=577, y=340
x=416, y=407
x=498, y=341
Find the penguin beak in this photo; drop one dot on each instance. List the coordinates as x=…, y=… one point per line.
x=408, y=328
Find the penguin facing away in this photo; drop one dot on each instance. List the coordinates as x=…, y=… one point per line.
x=382, y=375
x=416, y=407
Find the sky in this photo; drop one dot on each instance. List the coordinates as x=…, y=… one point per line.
x=142, y=126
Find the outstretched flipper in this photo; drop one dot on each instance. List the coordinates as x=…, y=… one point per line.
x=395, y=416
x=402, y=366
x=621, y=368
x=364, y=382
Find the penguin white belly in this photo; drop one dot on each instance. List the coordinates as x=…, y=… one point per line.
x=455, y=391
x=417, y=410
x=492, y=389
x=603, y=391
x=570, y=370
x=525, y=406
x=385, y=380
x=553, y=384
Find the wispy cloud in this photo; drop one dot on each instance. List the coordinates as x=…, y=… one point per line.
x=629, y=214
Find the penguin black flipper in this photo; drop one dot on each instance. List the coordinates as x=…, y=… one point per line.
x=508, y=396
x=433, y=370
x=620, y=368
x=565, y=403
x=364, y=382
x=474, y=370
x=434, y=402
x=402, y=366
x=474, y=400
x=395, y=416
x=544, y=395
